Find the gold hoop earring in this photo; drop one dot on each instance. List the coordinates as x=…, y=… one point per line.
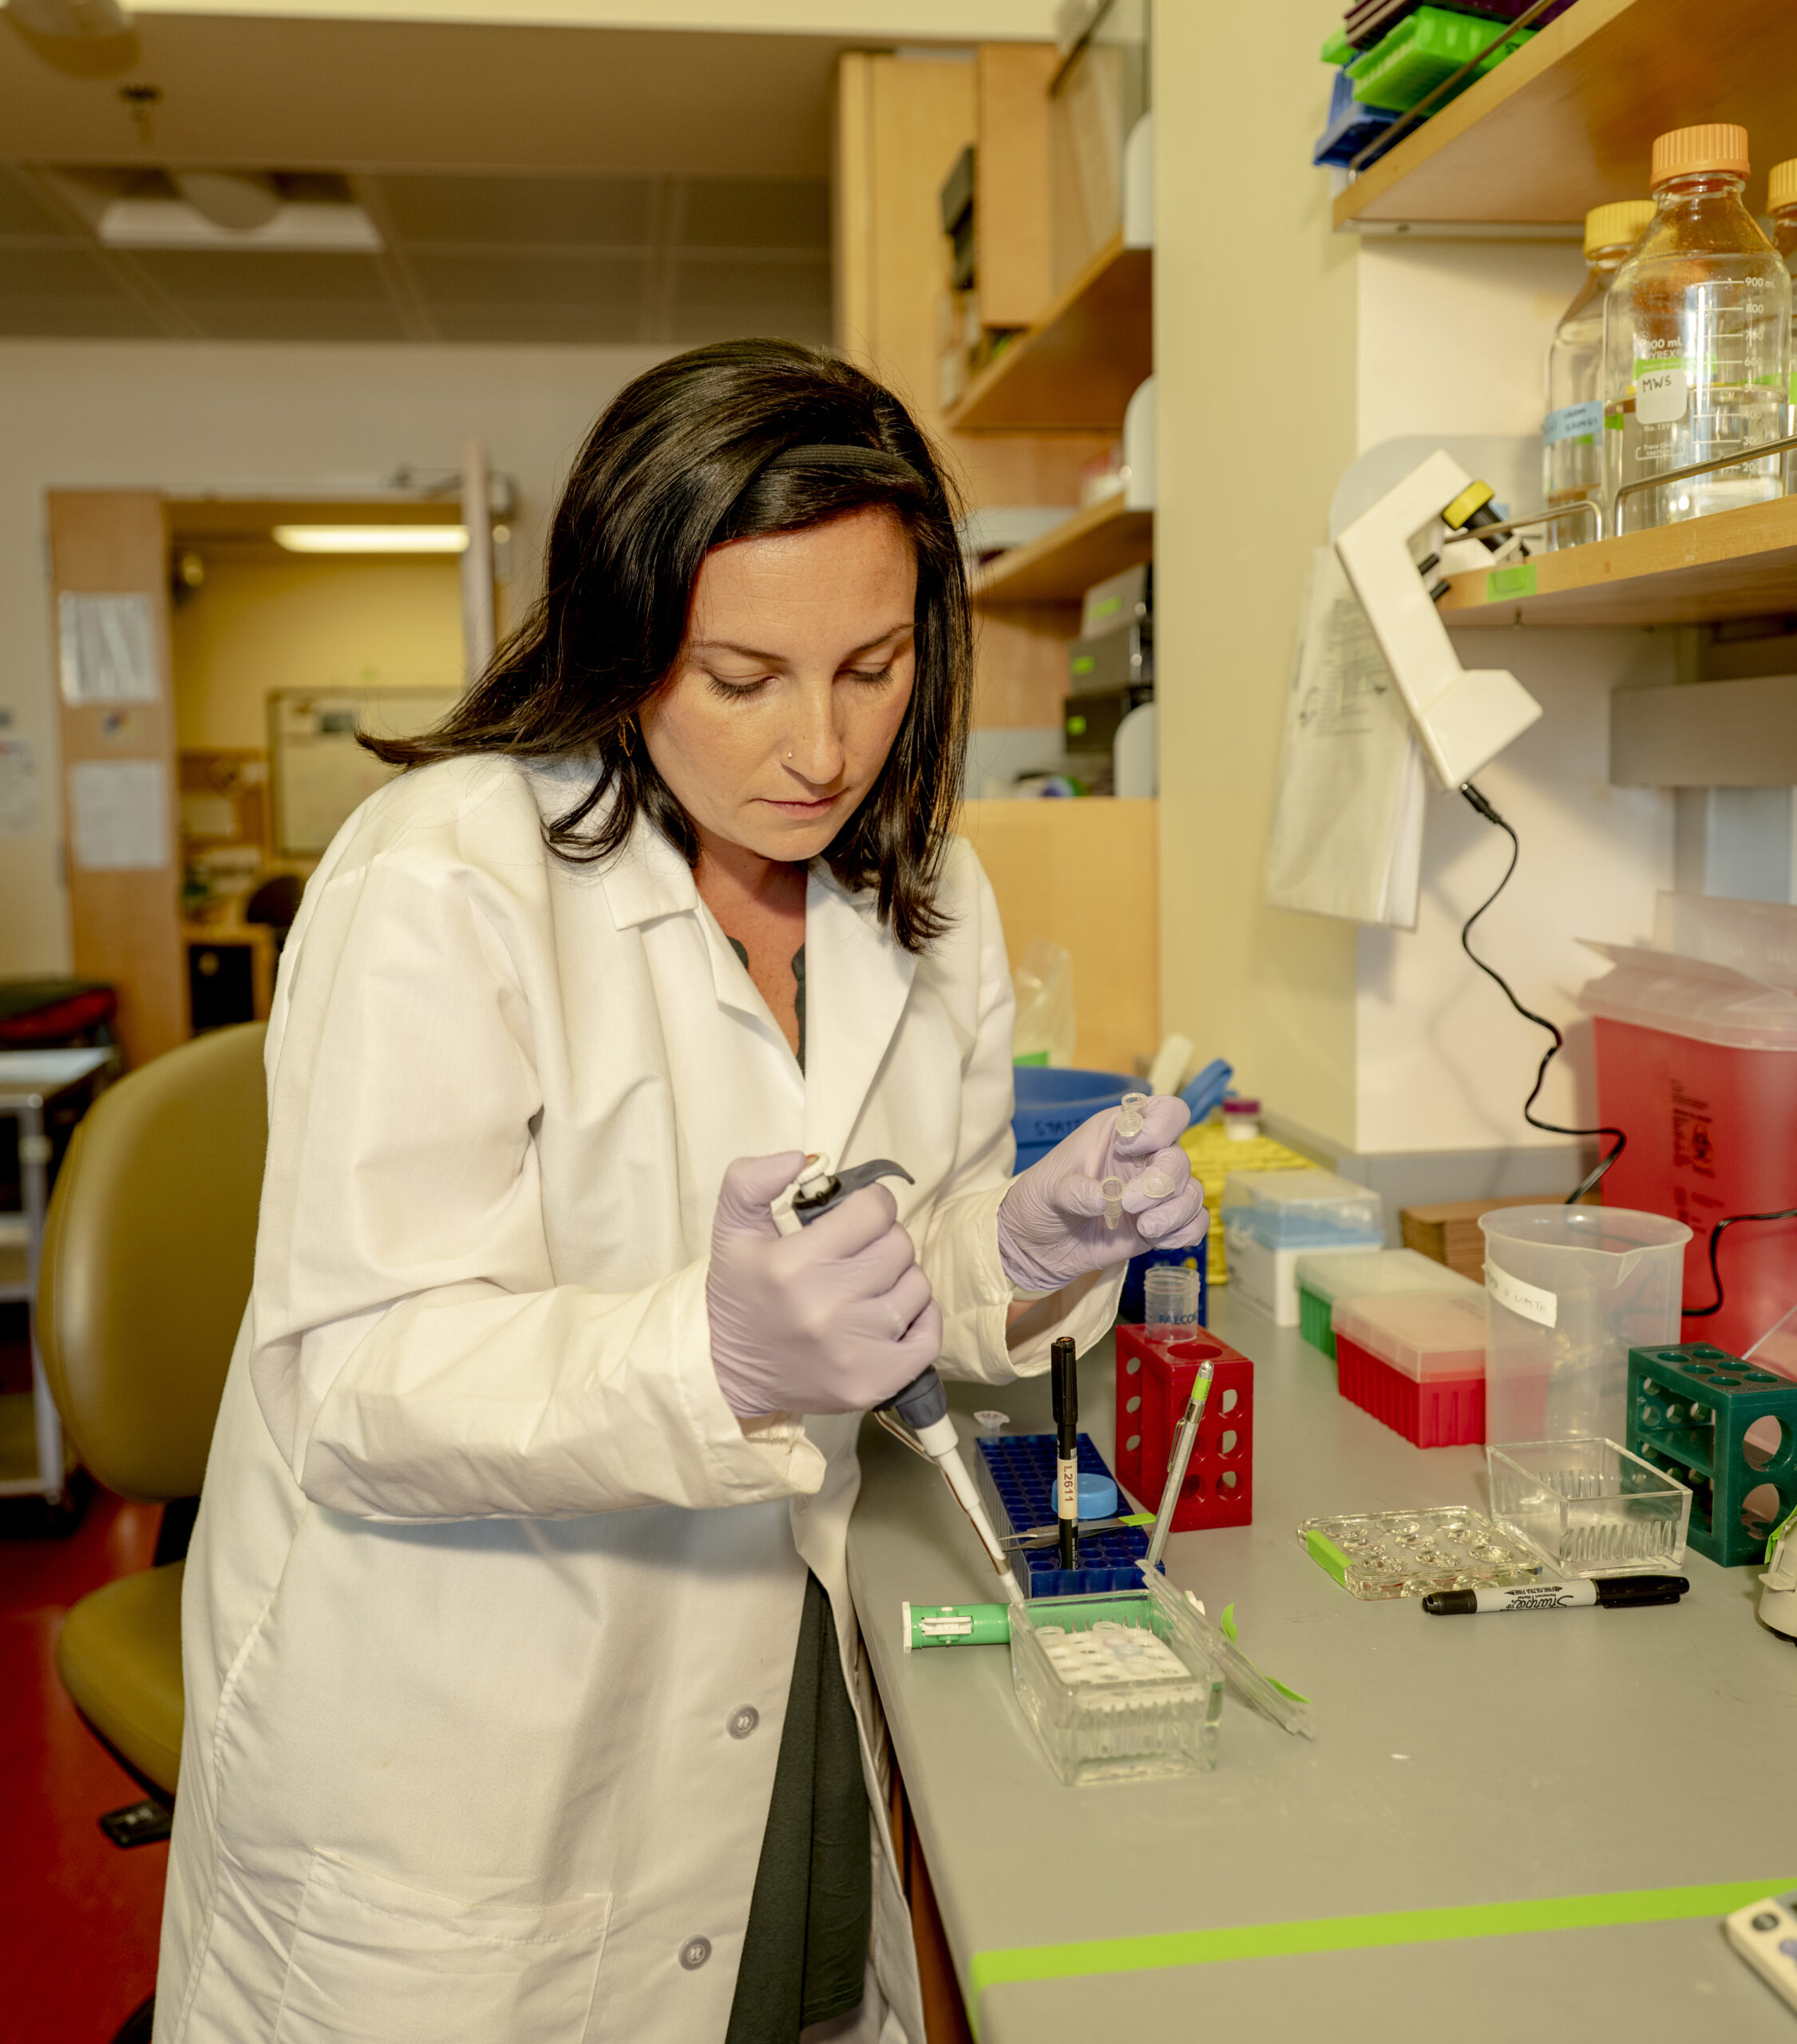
x=626, y=738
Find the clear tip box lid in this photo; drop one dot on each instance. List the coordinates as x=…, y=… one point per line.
x=1356, y=1275
x=1302, y=1209
x=1424, y=1334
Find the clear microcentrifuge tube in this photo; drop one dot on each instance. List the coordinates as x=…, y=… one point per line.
x=1113, y=1192
x=1128, y=1118
x=991, y=1424
x=1153, y=1185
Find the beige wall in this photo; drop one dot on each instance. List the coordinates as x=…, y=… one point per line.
x=253, y=628
x=1255, y=359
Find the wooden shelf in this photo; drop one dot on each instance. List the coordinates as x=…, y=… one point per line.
x=1733, y=563
x=1061, y=566
x=1079, y=366
x=1568, y=122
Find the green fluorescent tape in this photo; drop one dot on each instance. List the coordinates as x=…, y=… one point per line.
x=1516, y=581
x=1399, y=1927
x=1327, y=1555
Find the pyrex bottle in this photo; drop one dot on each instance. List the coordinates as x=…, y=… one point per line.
x=1696, y=340
x=1573, y=432
x=1781, y=202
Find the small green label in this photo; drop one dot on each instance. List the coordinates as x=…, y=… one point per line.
x=1083, y=663
x=1324, y=1551
x=1516, y=581
x=1076, y=726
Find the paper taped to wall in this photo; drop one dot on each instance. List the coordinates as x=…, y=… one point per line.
x=119, y=815
x=18, y=788
x=1347, y=836
x=107, y=649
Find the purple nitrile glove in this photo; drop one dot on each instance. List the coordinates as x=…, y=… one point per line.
x=1051, y=1222
x=834, y=1319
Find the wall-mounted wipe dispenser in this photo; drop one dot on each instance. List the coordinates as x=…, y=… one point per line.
x=1463, y=717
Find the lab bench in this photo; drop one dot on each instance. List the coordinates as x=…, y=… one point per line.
x=1566, y=1762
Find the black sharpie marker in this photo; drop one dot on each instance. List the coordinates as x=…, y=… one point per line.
x=1612, y=1592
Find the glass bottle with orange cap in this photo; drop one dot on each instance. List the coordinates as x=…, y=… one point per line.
x=1696, y=339
x=1781, y=202
x=1573, y=432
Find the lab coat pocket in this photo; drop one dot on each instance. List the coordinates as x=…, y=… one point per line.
x=376, y=1962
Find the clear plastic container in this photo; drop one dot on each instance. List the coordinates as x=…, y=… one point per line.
x=1324, y=1277
x=1570, y=1291
x=1776, y=1349
x=1696, y=340
x=1590, y=1507
x=1271, y=1218
x=1375, y=1555
x=1421, y=1334
x=1302, y=1210
x=1573, y=432
x=1170, y=1300
x=1117, y=1687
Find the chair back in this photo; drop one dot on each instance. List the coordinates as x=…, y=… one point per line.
x=147, y=1260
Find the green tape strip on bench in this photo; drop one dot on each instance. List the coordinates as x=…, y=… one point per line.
x=1401, y=1927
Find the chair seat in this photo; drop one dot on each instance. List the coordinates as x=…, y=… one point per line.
x=119, y=1654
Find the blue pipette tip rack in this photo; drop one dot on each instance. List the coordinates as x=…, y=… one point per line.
x=1015, y=1474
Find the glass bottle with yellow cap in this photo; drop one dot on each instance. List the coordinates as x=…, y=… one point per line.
x=1781, y=202
x=1573, y=432
x=1696, y=339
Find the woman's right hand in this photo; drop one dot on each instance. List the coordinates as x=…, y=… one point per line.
x=834, y=1319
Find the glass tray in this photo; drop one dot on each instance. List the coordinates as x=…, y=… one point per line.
x=1406, y=1554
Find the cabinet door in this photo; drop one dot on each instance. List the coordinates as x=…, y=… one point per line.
x=109, y=584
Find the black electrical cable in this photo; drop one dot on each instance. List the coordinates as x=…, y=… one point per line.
x=1703, y=1313
x=1528, y=1014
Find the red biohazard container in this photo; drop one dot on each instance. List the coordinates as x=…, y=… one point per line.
x=1697, y=1066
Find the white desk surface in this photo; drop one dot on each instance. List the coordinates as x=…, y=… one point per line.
x=1458, y=1761
x=29, y=1075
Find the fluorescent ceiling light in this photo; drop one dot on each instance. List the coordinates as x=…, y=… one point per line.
x=315, y=225
x=372, y=539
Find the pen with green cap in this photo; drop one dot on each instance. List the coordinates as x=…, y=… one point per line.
x=1177, y=1463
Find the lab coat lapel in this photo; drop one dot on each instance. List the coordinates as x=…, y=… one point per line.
x=650, y=879
x=856, y=982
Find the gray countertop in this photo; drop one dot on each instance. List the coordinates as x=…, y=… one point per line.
x=1458, y=1763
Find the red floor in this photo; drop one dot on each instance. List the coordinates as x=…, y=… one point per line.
x=78, y=1918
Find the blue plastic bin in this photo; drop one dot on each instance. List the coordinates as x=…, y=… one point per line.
x=1053, y=1100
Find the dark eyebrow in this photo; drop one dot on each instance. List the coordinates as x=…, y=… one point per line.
x=774, y=659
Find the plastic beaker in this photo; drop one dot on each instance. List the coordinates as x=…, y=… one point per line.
x=1572, y=1289
x=1169, y=1295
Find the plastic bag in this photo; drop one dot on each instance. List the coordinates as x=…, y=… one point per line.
x=1045, y=1033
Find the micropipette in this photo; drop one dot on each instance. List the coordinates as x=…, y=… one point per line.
x=1176, y=1465
x=922, y=1404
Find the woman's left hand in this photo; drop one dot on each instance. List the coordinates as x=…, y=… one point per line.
x=1051, y=1227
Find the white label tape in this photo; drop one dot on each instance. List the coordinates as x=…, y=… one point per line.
x=1530, y=1301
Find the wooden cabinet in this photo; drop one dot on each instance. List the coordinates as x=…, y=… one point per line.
x=118, y=757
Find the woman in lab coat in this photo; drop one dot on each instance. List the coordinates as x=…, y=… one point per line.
x=524, y=1698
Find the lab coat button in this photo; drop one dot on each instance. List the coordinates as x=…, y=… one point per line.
x=743, y=1722
x=694, y=1952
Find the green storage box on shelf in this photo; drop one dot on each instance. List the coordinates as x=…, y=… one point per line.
x=1421, y=51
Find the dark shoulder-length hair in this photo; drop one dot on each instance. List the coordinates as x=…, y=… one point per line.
x=732, y=442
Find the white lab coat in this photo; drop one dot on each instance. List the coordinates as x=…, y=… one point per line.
x=493, y=1602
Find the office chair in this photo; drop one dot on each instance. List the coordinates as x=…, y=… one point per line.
x=145, y=1272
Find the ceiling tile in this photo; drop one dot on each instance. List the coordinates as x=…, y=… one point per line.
x=720, y=299
x=20, y=212
x=504, y=277
x=753, y=212
x=263, y=276
x=54, y=273
x=586, y=325
x=542, y=212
